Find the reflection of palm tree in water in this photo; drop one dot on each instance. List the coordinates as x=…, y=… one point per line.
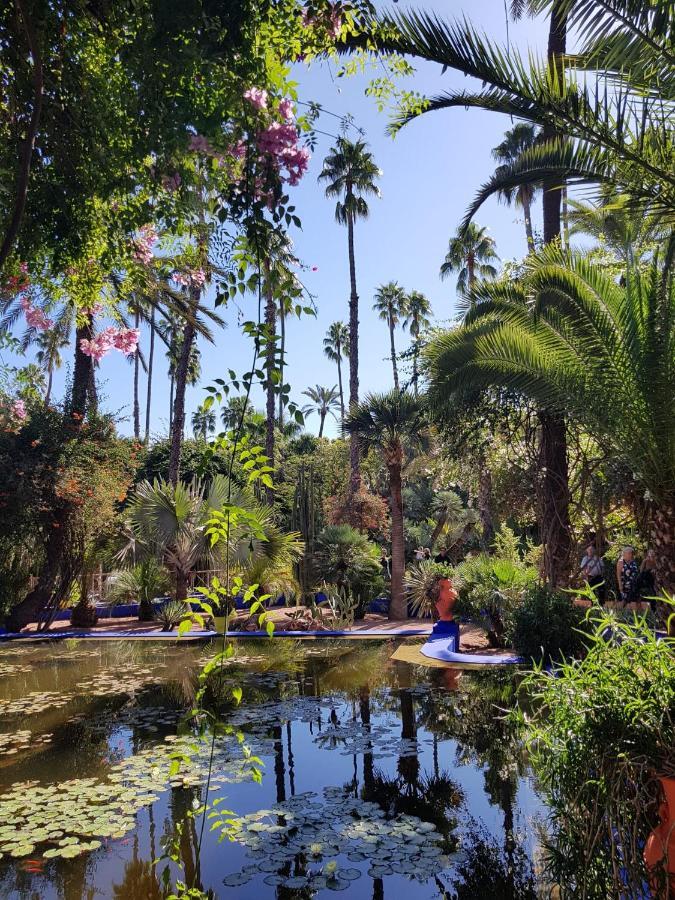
x=183, y=800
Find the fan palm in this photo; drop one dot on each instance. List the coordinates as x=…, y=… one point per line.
x=203, y=422
x=387, y=422
x=572, y=339
x=521, y=137
x=324, y=402
x=170, y=523
x=416, y=320
x=391, y=305
x=350, y=174
x=471, y=253
x=336, y=348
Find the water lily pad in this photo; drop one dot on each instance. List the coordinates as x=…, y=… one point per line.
x=236, y=879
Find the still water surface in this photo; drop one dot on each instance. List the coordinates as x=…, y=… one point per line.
x=379, y=779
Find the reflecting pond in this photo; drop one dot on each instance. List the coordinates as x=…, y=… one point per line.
x=378, y=777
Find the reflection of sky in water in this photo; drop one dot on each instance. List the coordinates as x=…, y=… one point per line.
x=304, y=755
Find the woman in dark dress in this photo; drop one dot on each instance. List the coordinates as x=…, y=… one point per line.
x=626, y=575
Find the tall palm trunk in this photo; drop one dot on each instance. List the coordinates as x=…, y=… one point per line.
x=354, y=456
x=527, y=213
x=398, y=608
x=415, y=371
x=137, y=405
x=321, y=422
x=282, y=357
x=178, y=423
x=662, y=541
x=565, y=218
x=342, y=398
x=172, y=387
x=471, y=270
x=393, y=352
x=182, y=584
x=151, y=357
x=554, y=522
x=53, y=583
x=271, y=326
x=50, y=378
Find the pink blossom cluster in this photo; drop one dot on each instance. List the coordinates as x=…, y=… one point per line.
x=257, y=97
x=123, y=339
x=35, y=318
x=18, y=410
x=194, y=278
x=286, y=109
x=280, y=141
x=144, y=242
x=17, y=284
x=200, y=144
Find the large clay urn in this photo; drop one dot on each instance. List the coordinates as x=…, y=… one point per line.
x=447, y=599
x=659, y=852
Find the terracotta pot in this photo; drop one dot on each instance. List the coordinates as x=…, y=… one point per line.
x=660, y=845
x=446, y=602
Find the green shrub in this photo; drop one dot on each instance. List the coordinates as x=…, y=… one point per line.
x=170, y=614
x=546, y=625
x=347, y=559
x=600, y=732
x=490, y=590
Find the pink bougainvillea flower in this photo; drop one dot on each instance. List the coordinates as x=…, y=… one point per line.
x=257, y=97
x=123, y=339
x=190, y=278
x=19, y=410
x=286, y=109
x=144, y=242
x=35, y=318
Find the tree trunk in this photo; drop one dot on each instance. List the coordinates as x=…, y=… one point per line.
x=47, y=589
x=179, y=400
x=151, y=356
x=485, y=504
x=471, y=271
x=393, y=353
x=415, y=374
x=83, y=371
x=270, y=354
x=137, y=405
x=182, y=583
x=554, y=522
x=282, y=357
x=662, y=541
x=565, y=220
x=321, y=423
x=529, y=234
x=354, y=456
x=50, y=378
x=398, y=608
x=342, y=399
x=172, y=385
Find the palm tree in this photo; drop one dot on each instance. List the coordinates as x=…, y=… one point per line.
x=151, y=360
x=350, y=172
x=416, y=320
x=571, y=338
x=50, y=342
x=203, y=422
x=336, y=348
x=626, y=51
x=521, y=137
x=388, y=422
x=471, y=253
x=391, y=305
x=324, y=402
x=170, y=523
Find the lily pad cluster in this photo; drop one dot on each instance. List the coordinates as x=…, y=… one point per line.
x=141, y=718
x=127, y=681
x=7, y=669
x=12, y=742
x=294, y=844
x=34, y=703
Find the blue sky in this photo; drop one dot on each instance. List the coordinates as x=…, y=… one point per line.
x=431, y=171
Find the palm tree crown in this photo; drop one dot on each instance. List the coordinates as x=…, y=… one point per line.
x=324, y=402
x=471, y=253
x=391, y=304
x=336, y=348
x=350, y=172
x=522, y=137
x=416, y=321
x=571, y=338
